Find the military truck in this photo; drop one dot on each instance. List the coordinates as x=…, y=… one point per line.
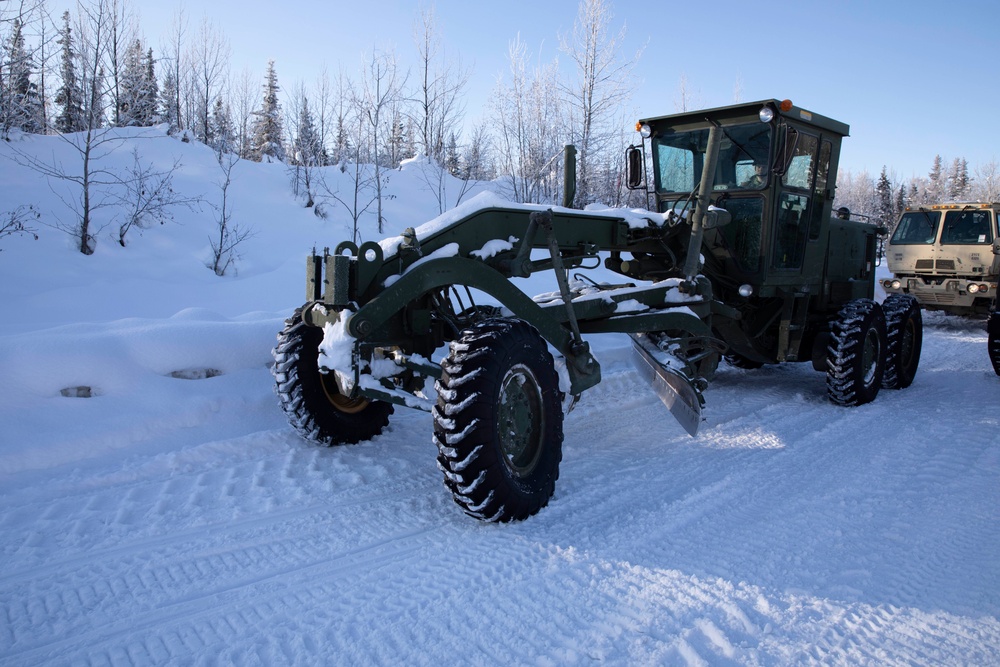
x=737, y=256
x=947, y=256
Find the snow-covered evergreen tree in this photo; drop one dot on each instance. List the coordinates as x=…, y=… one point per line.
x=168, y=108
x=342, y=141
x=452, y=162
x=409, y=141
x=149, y=100
x=308, y=146
x=936, y=187
x=885, y=211
x=69, y=96
x=266, y=141
x=131, y=85
x=20, y=103
x=396, y=138
x=222, y=130
x=958, y=180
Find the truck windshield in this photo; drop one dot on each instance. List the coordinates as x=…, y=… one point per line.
x=743, y=158
x=917, y=227
x=967, y=227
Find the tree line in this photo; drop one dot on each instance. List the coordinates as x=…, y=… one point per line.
x=92, y=68
x=883, y=198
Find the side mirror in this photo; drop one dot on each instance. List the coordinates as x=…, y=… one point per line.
x=633, y=167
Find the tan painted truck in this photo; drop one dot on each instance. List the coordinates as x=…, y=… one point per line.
x=947, y=256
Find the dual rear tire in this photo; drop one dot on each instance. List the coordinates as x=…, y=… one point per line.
x=872, y=346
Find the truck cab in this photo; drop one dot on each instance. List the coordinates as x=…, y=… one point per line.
x=947, y=256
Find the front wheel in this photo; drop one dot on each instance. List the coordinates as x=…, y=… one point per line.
x=498, y=421
x=993, y=328
x=904, y=331
x=855, y=358
x=311, y=400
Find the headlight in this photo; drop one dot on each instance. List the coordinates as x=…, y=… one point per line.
x=766, y=115
x=645, y=130
x=896, y=284
x=972, y=288
x=746, y=290
x=984, y=288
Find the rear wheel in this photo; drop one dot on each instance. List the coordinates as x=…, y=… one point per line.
x=311, y=400
x=498, y=421
x=904, y=331
x=856, y=352
x=993, y=327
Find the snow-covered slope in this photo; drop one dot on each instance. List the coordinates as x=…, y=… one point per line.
x=173, y=517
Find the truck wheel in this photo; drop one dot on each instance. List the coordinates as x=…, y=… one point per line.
x=498, y=421
x=314, y=406
x=993, y=327
x=855, y=356
x=904, y=333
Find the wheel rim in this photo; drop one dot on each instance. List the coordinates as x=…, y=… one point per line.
x=869, y=357
x=521, y=420
x=339, y=401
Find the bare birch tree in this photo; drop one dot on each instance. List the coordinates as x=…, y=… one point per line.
x=439, y=99
x=530, y=128
x=209, y=69
x=229, y=235
x=602, y=86
x=986, y=182
x=243, y=93
x=379, y=89
x=175, y=57
x=121, y=32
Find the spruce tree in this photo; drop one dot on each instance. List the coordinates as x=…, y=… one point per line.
x=308, y=149
x=23, y=105
x=958, y=180
x=168, y=111
x=266, y=142
x=69, y=96
x=149, y=98
x=222, y=130
x=883, y=200
x=936, y=187
x=131, y=84
x=451, y=159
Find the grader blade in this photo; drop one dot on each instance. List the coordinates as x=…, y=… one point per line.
x=671, y=386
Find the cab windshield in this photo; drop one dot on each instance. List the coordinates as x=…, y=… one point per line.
x=743, y=158
x=917, y=228
x=967, y=227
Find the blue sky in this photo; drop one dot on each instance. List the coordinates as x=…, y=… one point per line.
x=912, y=79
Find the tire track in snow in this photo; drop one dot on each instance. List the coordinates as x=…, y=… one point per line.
x=283, y=585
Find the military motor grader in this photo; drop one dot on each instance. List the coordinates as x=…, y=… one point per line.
x=738, y=257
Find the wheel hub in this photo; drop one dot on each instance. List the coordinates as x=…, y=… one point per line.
x=521, y=423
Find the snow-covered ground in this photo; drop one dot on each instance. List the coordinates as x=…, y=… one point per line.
x=173, y=517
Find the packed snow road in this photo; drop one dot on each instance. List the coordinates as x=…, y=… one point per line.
x=168, y=520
